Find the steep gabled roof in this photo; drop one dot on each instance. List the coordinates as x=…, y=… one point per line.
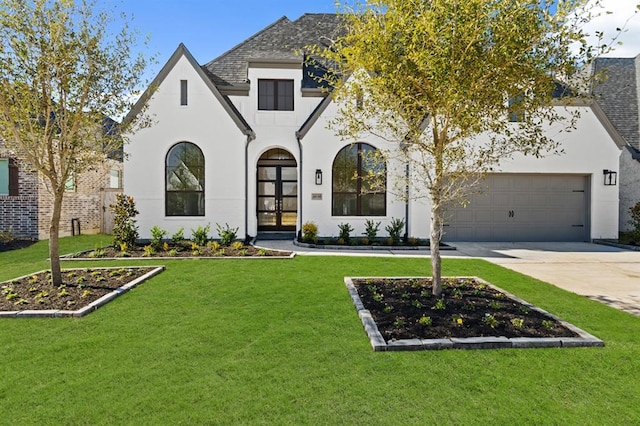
x=618, y=95
x=280, y=41
x=226, y=103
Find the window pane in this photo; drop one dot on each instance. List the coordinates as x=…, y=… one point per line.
x=266, y=94
x=285, y=95
x=289, y=219
x=114, y=178
x=290, y=204
x=373, y=205
x=289, y=188
x=266, y=188
x=266, y=173
x=185, y=204
x=267, y=204
x=289, y=173
x=266, y=219
x=344, y=204
x=4, y=176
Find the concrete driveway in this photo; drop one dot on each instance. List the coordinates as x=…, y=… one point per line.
x=607, y=274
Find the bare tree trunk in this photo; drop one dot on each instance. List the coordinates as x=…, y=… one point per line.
x=434, y=245
x=54, y=232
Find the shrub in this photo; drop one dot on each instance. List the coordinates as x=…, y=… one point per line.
x=635, y=221
x=157, y=235
x=124, y=224
x=310, y=232
x=200, y=235
x=394, y=229
x=226, y=234
x=178, y=236
x=371, y=229
x=7, y=236
x=345, y=231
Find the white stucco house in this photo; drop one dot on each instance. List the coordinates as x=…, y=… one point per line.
x=243, y=140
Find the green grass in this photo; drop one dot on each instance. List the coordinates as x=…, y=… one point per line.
x=279, y=342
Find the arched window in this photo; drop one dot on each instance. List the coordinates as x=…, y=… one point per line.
x=184, y=180
x=354, y=195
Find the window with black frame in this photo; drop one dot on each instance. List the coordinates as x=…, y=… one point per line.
x=185, y=180
x=275, y=95
x=358, y=182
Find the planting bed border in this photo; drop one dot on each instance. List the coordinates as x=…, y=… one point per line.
x=379, y=344
x=379, y=247
x=58, y=313
x=73, y=257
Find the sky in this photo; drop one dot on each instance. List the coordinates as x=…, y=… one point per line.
x=209, y=28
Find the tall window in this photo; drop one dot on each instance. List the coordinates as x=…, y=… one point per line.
x=353, y=194
x=183, y=92
x=516, y=114
x=275, y=95
x=185, y=180
x=8, y=177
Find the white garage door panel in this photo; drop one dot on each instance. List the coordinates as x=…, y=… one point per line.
x=523, y=208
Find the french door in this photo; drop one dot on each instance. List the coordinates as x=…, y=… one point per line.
x=277, y=198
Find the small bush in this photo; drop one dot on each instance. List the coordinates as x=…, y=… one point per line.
x=200, y=235
x=7, y=236
x=395, y=229
x=310, y=232
x=178, y=236
x=226, y=234
x=124, y=224
x=345, y=231
x=157, y=235
x=635, y=221
x=371, y=229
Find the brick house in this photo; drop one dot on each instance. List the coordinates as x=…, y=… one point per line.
x=26, y=203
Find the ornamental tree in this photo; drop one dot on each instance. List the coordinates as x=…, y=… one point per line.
x=440, y=79
x=62, y=74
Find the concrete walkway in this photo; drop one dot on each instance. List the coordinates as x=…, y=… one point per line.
x=607, y=274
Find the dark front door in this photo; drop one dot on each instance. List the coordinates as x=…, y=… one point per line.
x=277, y=195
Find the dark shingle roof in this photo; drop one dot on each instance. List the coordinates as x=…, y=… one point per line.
x=279, y=41
x=618, y=95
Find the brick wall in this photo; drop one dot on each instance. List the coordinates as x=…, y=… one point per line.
x=20, y=213
x=84, y=203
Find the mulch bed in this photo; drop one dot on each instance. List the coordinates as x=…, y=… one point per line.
x=184, y=249
x=15, y=244
x=81, y=287
x=404, y=308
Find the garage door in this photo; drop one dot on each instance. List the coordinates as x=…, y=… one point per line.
x=515, y=207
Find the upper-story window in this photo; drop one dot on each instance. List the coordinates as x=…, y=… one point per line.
x=275, y=95
x=183, y=92
x=516, y=113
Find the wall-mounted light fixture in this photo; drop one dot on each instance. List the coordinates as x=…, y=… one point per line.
x=610, y=177
x=318, y=177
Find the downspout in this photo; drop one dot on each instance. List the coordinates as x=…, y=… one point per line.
x=406, y=206
x=250, y=137
x=300, y=198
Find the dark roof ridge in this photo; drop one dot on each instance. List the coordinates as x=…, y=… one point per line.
x=247, y=40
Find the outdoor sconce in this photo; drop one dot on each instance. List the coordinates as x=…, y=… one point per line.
x=610, y=177
x=318, y=177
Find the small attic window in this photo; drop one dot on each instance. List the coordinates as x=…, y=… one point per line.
x=516, y=113
x=183, y=92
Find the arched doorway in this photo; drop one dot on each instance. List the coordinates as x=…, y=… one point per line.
x=277, y=197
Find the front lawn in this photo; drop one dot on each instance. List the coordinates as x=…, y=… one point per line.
x=279, y=342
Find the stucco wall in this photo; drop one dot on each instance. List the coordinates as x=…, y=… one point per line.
x=203, y=122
